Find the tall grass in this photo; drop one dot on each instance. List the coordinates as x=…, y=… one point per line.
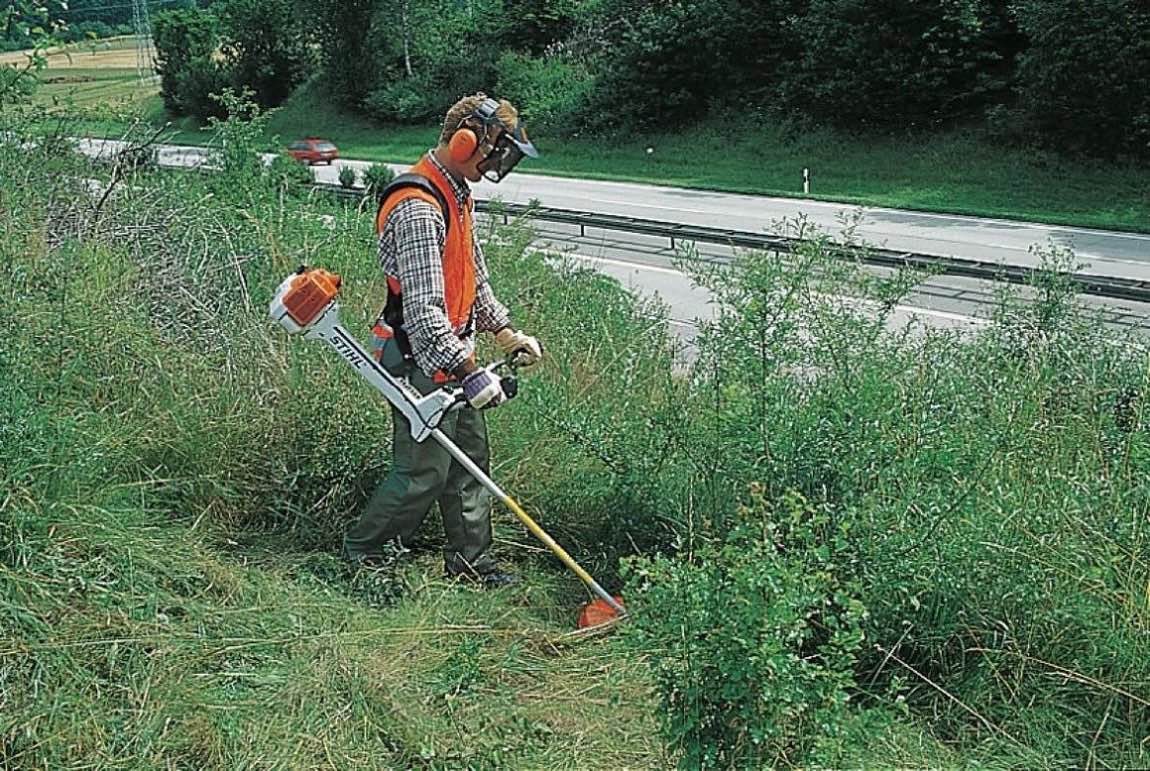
x=176, y=476
x=981, y=494
x=969, y=510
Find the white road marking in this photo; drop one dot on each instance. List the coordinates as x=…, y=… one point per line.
x=626, y=264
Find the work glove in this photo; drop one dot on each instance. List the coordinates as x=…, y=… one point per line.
x=483, y=389
x=525, y=349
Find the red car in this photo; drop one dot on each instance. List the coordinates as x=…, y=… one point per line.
x=313, y=150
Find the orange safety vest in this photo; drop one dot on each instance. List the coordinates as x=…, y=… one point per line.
x=458, y=254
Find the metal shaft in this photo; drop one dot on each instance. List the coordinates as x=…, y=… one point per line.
x=528, y=522
x=327, y=328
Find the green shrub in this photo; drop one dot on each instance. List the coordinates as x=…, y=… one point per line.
x=340, y=29
x=264, y=45
x=186, y=41
x=899, y=62
x=407, y=100
x=752, y=635
x=970, y=469
x=376, y=177
x=347, y=177
x=549, y=92
x=660, y=65
x=288, y=175
x=537, y=25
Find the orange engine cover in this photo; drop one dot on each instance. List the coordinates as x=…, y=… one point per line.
x=310, y=293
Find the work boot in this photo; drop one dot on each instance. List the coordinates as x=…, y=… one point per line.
x=493, y=579
x=388, y=557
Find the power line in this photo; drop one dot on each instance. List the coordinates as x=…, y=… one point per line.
x=145, y=55
x=120, y=6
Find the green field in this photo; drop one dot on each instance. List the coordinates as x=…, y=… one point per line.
x=96, y=87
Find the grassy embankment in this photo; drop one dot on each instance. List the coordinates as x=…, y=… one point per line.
x=952, y=172
x=176, y=474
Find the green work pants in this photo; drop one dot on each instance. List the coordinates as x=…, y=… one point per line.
x=424, y=473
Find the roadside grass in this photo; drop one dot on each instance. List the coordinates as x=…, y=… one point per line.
x=958, y=171
x=168, y=598
x=955, y=172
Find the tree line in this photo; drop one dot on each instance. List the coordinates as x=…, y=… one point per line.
x=73, y=21
x=1068, y=74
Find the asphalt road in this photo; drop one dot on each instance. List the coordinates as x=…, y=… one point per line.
x=1107, y=252
x=646, y=264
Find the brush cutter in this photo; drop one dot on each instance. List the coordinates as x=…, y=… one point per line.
x=305, y=303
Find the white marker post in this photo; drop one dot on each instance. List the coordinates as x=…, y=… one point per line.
x=806, y=181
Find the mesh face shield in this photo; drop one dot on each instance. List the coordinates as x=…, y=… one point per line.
x=507, y=151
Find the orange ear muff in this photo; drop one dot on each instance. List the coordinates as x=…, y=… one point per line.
x=462, y=145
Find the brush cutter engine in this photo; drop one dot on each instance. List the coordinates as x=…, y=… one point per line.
x=305, y=304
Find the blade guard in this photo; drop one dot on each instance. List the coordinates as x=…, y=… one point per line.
x=302, y=298
x=598, y=612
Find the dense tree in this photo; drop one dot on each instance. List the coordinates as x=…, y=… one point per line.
x=186, y=43
x=892, y=62
x=116, y=12
x=264, y=46
x=340, y=29
x=427, y=54
x=661, y=62
x=31, y=20
x=531, y=26
x=1085, y=76
x=669, y=63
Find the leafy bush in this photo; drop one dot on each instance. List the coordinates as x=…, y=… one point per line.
x=340, y=29
x=264, y=46
x=239, y=142
x=898, y=62
x=407, y=100
x=550, y=92
x=289, y=176
x=660, y=63
x=667, y=64
x=16, y=84
x=752, y=636
x=347, y=177
x=536, y=25
x=376, y=177
x=1084, y=79
x=959, y=511
x=186, y=42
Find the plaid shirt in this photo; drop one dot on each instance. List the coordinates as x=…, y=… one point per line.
x=411, y=249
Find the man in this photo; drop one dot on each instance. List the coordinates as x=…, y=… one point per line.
x=438, y=299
